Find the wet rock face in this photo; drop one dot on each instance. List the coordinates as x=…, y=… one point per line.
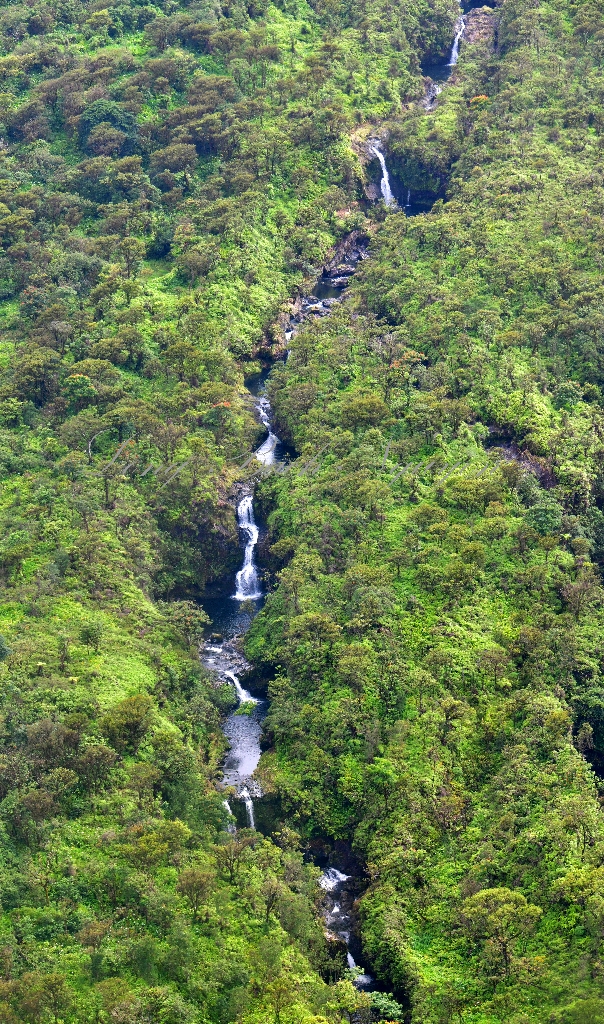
x=329, y=288
x=221, y=656
x=480, y=25
x=348, y=253
x=433, y=91
x=340, y=893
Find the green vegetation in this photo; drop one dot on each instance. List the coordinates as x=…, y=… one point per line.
x=436, y=627
x=169, y=176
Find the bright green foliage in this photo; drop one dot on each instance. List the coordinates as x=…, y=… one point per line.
x=168, y=175
x=436, y=627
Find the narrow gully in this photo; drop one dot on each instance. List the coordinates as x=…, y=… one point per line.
x=243, y=727
x=232, y=615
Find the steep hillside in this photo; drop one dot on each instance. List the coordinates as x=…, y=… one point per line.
x=437, y=620
x=169, y=173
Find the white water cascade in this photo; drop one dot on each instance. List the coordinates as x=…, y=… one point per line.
x=243, y=726
x=266, y=452
x=459, y=31
x=249, y=806
x=244, y=696
x=387, y=196
x=338, y=917
x=331, y=879
x=231, y=827
x=247, y=586
x=246, y=581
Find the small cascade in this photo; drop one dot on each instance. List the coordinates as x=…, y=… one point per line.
x=246, y=580
x=459, y=31
x=231, y=827
x=242, y=728
x=374, y=147
x=331, y=879
x=249, y=806
x=266, y=452
x=244, y=696
x=437, y=72
x=338, y=917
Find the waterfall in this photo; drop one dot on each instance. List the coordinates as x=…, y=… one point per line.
x=249, y=806
x=266, y=452
x=387, y=196
x=246, y=580
x=331, y=879
x=244, y=696
x=243, y=726
x=459, y=31
x=338, y=917
x=231, y=827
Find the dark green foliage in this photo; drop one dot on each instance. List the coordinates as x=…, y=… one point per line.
x=127, y=723
x=168, y=178
x=107, y=112
x=168, y=175
x=451, y=723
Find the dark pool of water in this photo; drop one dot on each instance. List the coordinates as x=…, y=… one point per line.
x=437, y=72
x=230, y=617
x=256, y=383
x=323, y=290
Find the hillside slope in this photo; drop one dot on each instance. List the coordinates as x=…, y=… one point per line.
x=436, y=625
x=169, y=173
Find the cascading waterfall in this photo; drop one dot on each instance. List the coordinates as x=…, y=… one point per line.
x=266, y=452
x=438, y=73
x=249, y=806
x=244, y=696
x=459, y=31
x=247, y=586
x=387, y=196
x=338, y=917
x=242, y=727
x=246, y=580
x=231, y=827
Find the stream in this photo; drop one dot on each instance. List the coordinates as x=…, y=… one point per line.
x=233, y=610
x=231, y=615
x=436, y=74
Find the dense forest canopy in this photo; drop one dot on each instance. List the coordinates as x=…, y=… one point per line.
x=170, y=175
